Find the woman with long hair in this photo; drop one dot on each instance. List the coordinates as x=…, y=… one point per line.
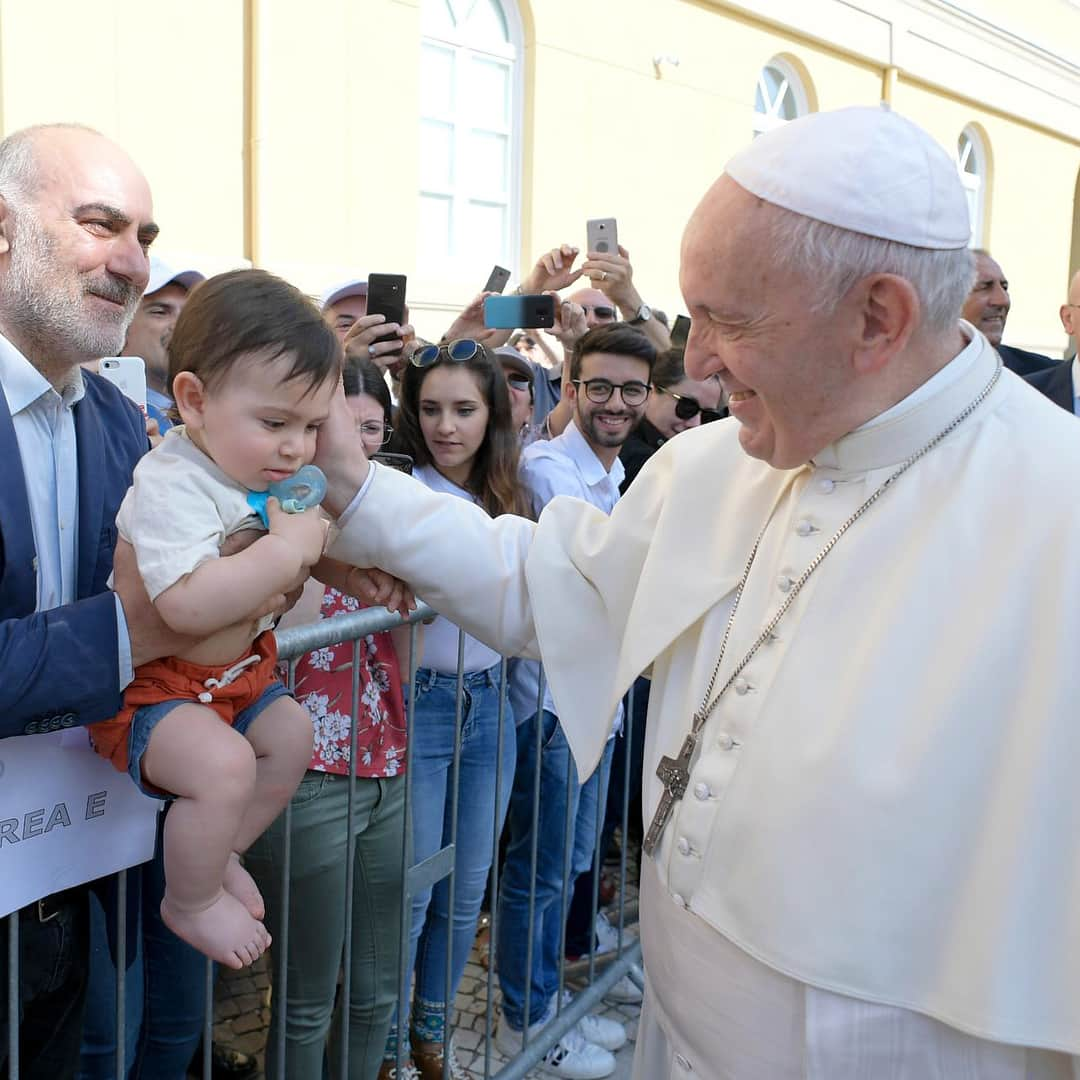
x=454, y=419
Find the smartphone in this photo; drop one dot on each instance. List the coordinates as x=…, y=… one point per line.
x=401, y=462
x=128, y=374
x=510, y=312
x=386, y=296
x=680, y=332
x=497, y=279
x=601, y=235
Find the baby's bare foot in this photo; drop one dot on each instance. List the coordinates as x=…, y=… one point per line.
x=241, y=884
x=225, y=930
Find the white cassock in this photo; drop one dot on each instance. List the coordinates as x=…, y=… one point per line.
x=875, y=872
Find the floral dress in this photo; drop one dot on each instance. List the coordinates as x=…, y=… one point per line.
x=324, y=688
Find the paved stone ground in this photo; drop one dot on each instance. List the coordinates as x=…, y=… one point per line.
x=242, y=1005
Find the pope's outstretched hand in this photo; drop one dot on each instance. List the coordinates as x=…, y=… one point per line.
x=340, y=455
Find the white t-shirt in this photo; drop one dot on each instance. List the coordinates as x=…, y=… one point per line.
x=179, y=511
x=441, y=637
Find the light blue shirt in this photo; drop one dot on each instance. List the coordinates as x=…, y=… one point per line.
x=44, y=423
x=1076, y=384
x=156, y=404
x=565, y=465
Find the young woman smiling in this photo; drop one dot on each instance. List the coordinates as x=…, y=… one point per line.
x=455, y=421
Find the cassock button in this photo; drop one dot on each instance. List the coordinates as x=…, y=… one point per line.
x=701, y=791
x=804, y=528
x=784, y=583
x=826, y=486
x=724, y=741
x=684, y=846
x=741, y=686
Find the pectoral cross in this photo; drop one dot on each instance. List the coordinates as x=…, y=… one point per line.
x=675, y=775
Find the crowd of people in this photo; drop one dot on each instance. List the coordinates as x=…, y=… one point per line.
x=151, y=624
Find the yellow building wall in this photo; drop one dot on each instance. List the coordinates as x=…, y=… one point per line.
x=168, y=86
x=287, y=134
x=1030, y=207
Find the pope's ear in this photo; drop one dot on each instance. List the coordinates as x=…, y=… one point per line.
x=6, y=222
x=889, y=313
x=189, y=393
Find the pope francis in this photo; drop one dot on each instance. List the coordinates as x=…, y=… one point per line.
x=859, y=604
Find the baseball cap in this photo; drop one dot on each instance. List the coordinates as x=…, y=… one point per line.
x=162, y=274
x=352, y=287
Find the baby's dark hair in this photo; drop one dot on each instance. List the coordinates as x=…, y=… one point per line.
x=246, y=313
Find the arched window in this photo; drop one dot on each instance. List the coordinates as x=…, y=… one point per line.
x=469, y=129
x=780, y=96
x=971, y=165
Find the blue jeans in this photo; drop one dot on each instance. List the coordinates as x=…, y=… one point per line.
x=562, y=799
x=164, y=991
x=435, y=933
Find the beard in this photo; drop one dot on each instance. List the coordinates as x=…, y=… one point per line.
x=600, y=436
x=45, y=302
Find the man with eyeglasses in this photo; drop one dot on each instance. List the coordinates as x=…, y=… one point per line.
x=1061, y=383
x=610, y=369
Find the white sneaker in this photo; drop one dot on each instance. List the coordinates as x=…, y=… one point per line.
x=571, y=1057
x=625, y=992
x=598, y=1030
x=575, y=1059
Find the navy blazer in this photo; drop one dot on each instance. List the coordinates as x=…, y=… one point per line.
x=1056, y=383
x=1023, y=362
x=61, y=667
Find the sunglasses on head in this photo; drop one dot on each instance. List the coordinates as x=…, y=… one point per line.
x=686, y=407
x=456, y=351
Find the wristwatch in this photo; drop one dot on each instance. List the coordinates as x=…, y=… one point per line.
x=644, y=314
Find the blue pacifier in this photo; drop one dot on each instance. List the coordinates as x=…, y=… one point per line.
x=304, y=489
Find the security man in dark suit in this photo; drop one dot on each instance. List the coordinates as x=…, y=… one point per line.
x=75, y=226
x=987, y=309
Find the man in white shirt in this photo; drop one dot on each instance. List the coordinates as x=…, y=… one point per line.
x=610, y=369
x=857, y=602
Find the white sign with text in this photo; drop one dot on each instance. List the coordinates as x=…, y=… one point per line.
x=66, y=817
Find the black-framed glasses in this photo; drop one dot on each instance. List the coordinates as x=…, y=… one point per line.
x=601, y=312
x=372, y=430
x=600, y=390
x=686, y=407
x=457, y=351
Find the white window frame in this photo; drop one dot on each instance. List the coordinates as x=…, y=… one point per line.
x=974, y=182
x=793, y=81
x=514, y=54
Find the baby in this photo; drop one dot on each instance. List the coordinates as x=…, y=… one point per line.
x=253, y=369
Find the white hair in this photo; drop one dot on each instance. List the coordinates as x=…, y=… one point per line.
x=20, y=176
x=834, y=259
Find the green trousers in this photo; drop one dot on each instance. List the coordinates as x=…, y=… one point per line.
x=316, y=934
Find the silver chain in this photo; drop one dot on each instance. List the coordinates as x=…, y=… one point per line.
x=707, y=705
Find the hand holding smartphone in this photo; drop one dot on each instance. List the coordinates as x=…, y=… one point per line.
x=512, y=312
x=602, y=236
x=386, y=297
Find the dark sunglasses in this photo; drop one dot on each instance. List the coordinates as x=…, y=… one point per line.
x=600, y=312
x=456, y=351
x=519, y=382
x=686, y=407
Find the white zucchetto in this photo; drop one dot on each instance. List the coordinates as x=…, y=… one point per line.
x=866, y=169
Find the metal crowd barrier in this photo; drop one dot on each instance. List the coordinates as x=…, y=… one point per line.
x=293, y=644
